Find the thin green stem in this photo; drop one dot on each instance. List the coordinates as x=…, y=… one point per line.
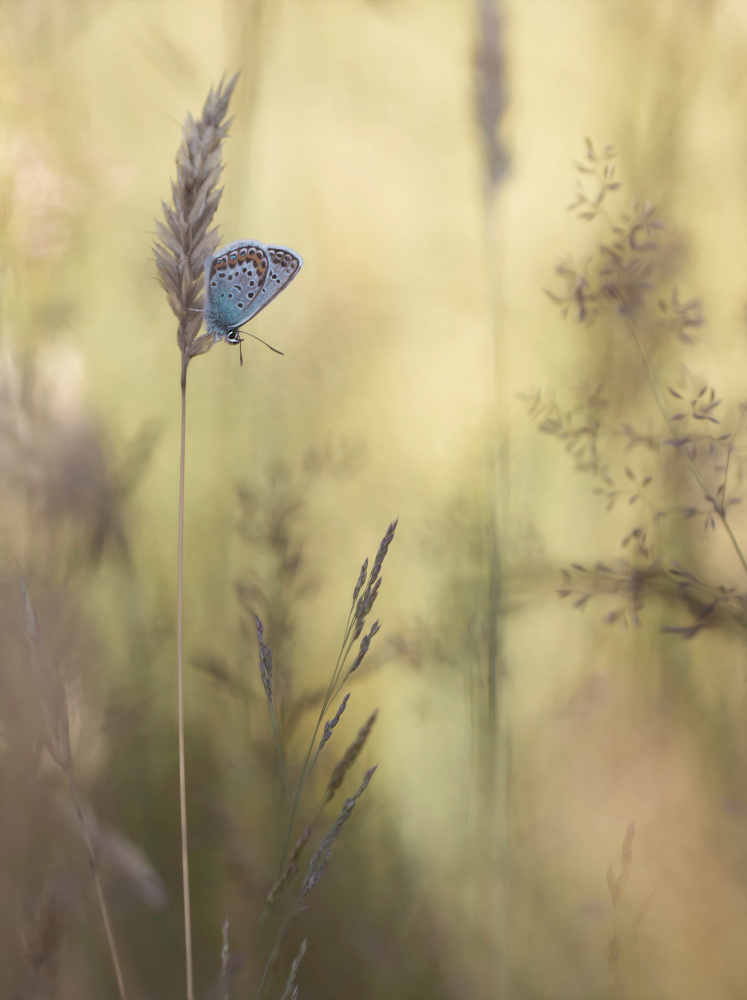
x=180, y=694
x=719, y=508
x=292, y=881
x=274, y=953
x=304, y=773
x=280, y=753
x=260, y=950
x=294, y=913
x=97, y=883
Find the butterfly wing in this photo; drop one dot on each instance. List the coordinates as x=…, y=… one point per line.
x=234, y=277
x=283, y=266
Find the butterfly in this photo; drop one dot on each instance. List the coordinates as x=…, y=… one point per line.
x=240, y=280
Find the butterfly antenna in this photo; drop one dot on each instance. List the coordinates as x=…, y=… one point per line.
x=265, y=343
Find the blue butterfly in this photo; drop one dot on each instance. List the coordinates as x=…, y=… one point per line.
x=240, y=280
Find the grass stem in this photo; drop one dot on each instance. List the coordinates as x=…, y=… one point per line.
x=99, y=890
x=280, y=753
x=180, y=693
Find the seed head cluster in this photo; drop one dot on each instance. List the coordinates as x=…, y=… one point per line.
x=185, y=239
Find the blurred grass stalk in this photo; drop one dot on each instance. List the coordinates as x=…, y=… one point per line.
x=491, y=100
x=55, y=734
x=184, y=242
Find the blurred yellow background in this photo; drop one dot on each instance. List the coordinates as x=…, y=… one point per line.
x=475, y=865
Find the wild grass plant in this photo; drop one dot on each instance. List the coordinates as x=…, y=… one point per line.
x=626, y=287
x=185, y=241
x=48, y=713
x=67, y=503
x=54, y=731
x=670, y=464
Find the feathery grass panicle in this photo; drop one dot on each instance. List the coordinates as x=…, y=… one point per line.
x=291, y=987
x=265, y=660
x=349, y=758
x=185, y=239
x=386, y=541
x=365, y=643
x=331, y=723
x=361, y=580
x=368, y=597
x=321, y=856
x=365, y=603
x=265, y=672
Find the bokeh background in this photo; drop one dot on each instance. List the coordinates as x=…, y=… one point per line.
x=420, y=155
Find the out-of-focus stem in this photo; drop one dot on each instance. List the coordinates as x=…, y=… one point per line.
x=99, y=890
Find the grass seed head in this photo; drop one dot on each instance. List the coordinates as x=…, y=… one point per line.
x=365, y=643
x=330, y=725
x=349, y=757
x=291, y=988
x=321, y=856
x=265, y=661
x=185, y=238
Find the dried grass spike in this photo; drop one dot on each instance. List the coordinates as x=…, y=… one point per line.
x=330, y=724
x=365, y=643
x=349, y=757
x=386, y=541
x=369, y=595
x=321, y=856
x=184, y=238
x=265, y=660
x=291, y=989
x=361, y=580
x=365, y=603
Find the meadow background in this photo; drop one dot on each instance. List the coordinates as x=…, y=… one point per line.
x=420, y=155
